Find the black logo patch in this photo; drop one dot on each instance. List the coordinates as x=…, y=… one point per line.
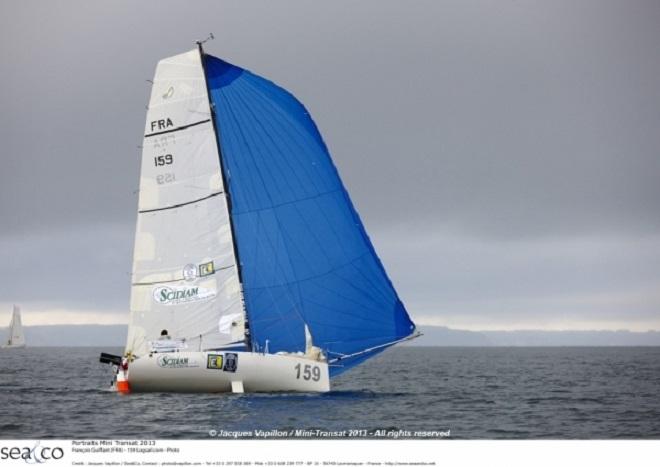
x=231, y=362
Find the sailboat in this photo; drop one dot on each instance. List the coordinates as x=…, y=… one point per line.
x=16, y=339
x=252, y=271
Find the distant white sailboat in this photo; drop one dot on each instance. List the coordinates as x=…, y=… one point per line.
x=16, y=339
x=252, y=270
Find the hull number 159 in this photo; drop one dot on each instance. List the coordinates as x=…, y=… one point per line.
x=308, y=372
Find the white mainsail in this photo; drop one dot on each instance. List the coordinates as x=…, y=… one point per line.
x=16, y=336
x=185, y=277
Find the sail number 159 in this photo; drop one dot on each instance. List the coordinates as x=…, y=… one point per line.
x=167, y=159
x=308, y=372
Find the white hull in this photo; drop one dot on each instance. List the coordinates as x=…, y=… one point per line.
x=212, y=372
x=13, y=346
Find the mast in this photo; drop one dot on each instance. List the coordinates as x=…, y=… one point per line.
x=225, y=182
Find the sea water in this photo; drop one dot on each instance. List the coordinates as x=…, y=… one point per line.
x=448, y=392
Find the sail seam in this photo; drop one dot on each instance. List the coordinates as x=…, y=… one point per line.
x=177, y=128
x=316, y=276
x=181, y=204
x=181, y=279
x=286, y=203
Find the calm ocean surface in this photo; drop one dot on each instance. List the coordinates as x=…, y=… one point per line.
x=493, y=393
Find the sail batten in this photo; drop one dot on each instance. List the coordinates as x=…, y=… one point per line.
x=305, y=257
x=182, y=204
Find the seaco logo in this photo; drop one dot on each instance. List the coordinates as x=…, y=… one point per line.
x=35, y=455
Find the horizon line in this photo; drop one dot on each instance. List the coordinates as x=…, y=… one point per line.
x=418, y=327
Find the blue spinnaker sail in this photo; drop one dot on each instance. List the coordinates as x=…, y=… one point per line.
x=305, y=256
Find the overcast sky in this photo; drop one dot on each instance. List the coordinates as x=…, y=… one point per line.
x=504, y=156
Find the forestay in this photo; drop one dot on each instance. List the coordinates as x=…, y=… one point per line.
x=305, y=256
x=184, y=275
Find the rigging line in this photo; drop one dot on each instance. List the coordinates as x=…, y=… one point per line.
x=199, y=335
x=179, y=128
x=366, y=342
x=372, y=349
x=181, y=204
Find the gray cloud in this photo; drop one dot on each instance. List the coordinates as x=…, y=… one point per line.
x=81, y=267
x=531, y=130
x=578, y=282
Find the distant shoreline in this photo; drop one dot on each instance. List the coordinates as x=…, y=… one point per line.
x=433, y=336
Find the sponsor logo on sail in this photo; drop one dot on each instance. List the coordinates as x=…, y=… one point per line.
x=206, y=269
x=169, y=361
x=166, y=295
x=190, y=272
